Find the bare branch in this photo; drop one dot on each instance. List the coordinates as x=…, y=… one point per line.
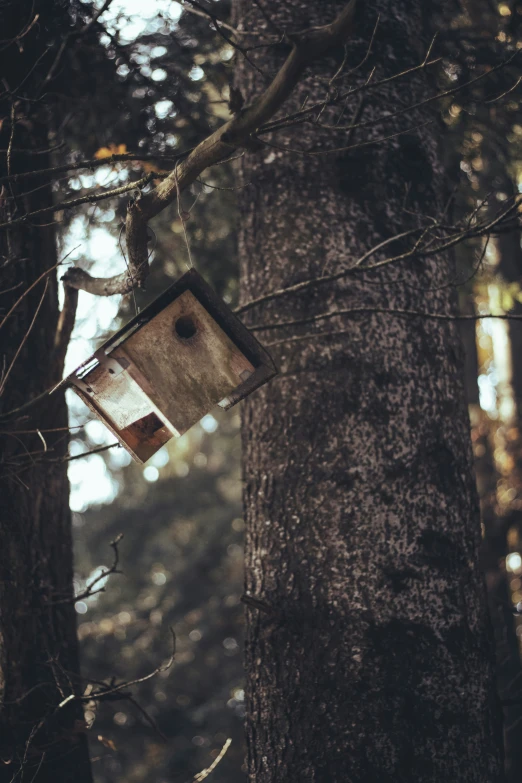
x=235, y=133
x=218, y=28
x=124, y=157
x=30, y=288
x=90, y=198
x=456, y=235
x=199, y=10
x=506, y=92
x=305, y=284
x=336, y=150
x=14, y=412
x=26, y=335
x=11, y=137
x=81, y=280
x=72, y=35
x=91, y=588
x=388, y=311
x=420, y=104
x=108, y=690
x=307, y=114
x=99, y=450
x=257, y=603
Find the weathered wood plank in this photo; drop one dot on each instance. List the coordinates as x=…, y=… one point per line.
x=189, y=361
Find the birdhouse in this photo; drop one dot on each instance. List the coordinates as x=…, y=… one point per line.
x=169, y=366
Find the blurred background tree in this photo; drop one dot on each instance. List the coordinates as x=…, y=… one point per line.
x=168, y=88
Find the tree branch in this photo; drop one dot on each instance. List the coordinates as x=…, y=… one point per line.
x=90, y=198
x=80, y=280
x=6, y=375
x=384, y=310
x=107, y=690
x=237, y=132
x=123, y=157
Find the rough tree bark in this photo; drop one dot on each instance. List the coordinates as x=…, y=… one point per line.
x=38, y=648
x=370, y=657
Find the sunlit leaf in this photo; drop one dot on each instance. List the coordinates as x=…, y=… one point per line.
x=112, y=149
x=106, y=742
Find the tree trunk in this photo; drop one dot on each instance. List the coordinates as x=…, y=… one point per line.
x=39, y=741
x=487, y=438
x=505, y=452
x=373, y=659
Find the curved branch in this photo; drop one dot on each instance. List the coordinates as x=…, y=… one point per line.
x=234, y=134
x=237, y=132
x=80, y=280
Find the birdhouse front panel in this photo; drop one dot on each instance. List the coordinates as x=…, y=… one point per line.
x=193, y=363
x=169, y=366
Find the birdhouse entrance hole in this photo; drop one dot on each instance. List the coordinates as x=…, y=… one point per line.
x=169, y=366
x=185, y=327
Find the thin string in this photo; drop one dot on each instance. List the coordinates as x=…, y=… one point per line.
x=182, y=217
x=131, y=278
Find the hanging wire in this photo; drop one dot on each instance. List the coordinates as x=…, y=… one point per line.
x=183, y=217
x=136, y=308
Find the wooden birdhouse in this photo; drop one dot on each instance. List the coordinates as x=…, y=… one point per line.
x=169, y=366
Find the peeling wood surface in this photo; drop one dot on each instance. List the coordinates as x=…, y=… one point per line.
x=170, y=365
x=119, y=396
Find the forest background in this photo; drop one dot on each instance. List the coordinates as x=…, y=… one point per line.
x=149, y=77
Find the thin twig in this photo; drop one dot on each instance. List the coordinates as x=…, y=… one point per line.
x=206, y=772
x=124, y=157
x=388, y=311
x=84, y=454
x=26, y=335
x=30, y=288
x=88, y=199
x=109, y=690
x=336, y=150
x=90, y=588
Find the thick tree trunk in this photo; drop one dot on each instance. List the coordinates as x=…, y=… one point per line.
x=374, y=662
x=39, y=742
x=38, y=650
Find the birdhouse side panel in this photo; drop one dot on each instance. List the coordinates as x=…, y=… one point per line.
x=119, y=396
x=188, y=361
x=141, y=439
